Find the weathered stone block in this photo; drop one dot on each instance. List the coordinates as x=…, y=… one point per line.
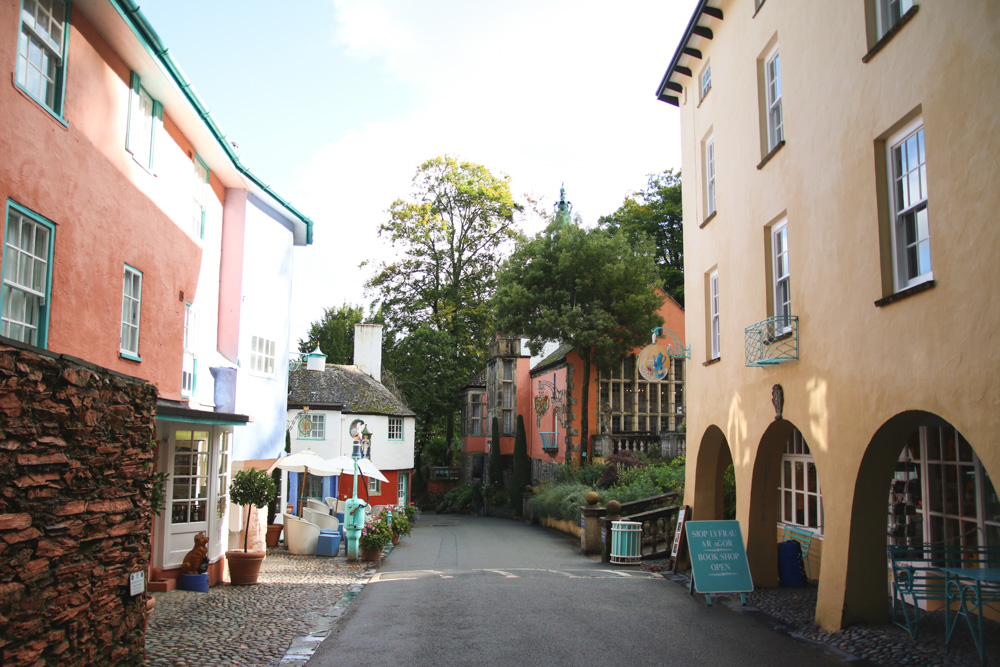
x=18, y=521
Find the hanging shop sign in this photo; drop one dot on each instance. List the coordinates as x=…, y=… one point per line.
x=654, y=363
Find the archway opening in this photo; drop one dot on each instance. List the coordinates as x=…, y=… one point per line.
x=937, y=492
x=714, y=457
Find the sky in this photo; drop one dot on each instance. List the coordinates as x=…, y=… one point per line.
x=336, y=103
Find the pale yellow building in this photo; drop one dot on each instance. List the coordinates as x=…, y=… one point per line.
x=842, y=252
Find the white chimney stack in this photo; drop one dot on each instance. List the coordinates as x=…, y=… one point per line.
x=368, y=349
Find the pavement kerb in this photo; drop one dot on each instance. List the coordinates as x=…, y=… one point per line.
x=303, y=647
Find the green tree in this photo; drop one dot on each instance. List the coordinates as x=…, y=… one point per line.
x=657, y=213
x=449, y=235
x=334, y=334
x=520, y=475
x=496, y=461
x=589, y=289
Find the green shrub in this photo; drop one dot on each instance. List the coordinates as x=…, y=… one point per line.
x=459, y=499
x=560, y=501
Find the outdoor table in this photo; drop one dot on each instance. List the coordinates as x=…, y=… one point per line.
x=971, y=587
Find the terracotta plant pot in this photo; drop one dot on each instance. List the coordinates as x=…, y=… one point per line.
x=371, y=554
x=395, y=539
x=244, y=567
x=273, y=533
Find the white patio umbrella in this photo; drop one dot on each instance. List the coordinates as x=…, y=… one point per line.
x=308, y=461
x=365, y=467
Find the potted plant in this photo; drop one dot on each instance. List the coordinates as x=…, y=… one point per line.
x=273, y=529
x=400, y=525
x=374, y=536
x=254, y=488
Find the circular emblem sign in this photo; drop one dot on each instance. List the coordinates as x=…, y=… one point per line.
x=305, y=426
x=654, y=364
x=356, y=427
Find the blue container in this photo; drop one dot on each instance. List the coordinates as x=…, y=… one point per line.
x=626, y=542
x=340, y=518
x=790, y=564
x=197, y=583
x=328, y=543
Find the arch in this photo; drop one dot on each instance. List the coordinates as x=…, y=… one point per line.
x=761, y=524
x=714, y=456
x=865, y=596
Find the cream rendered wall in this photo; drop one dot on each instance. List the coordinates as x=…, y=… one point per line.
x=859, y=365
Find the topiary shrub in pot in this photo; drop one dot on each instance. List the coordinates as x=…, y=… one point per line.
x=253, y=488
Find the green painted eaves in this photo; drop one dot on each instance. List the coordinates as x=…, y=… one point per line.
x=129, y=10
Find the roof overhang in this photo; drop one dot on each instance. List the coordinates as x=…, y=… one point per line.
x=172, y=412
x=689, y=52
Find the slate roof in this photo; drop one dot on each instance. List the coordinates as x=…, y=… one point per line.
x=558, y=355
x=346, y=386
x=477, y=380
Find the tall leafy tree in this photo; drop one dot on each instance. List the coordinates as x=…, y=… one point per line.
x=589, y=289
x=449, y=236
x=334, y=334
x=657, y=213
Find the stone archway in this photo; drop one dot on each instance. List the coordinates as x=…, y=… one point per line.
x=866, y=598
x=714, y=456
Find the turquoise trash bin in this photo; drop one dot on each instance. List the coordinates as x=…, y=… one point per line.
x=626, y=542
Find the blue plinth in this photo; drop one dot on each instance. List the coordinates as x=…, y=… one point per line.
x=340, y=518
x=197, y=583
x=328, y=544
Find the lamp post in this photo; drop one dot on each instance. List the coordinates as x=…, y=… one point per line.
x=354, y=511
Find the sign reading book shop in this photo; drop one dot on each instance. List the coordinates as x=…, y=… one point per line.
x=718, y=558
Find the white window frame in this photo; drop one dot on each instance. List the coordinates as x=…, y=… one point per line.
x=401, y=489
x=189, y=368
x=317, y=427
x=222, y=474
x=131, y=313
x=710, y=175
x=395, y=428
x=889, y=12
x=772, y=87
x=27, y=276
x=145, y=122
x=41, y=52
x=262, y=355
x=706, y=81
x=911, y=242
x=795, y=458
x=780, y=277
x=713, y=299
x=191, y=477
x=374, y=486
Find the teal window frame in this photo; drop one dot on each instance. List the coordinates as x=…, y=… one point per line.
x=314, y=432
x=144, y=153
x=32, y=41
x=41, y=325
x=200, y=197
x=395, y=421
x=134, y=321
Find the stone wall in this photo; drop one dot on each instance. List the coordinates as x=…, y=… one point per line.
x=75, y=483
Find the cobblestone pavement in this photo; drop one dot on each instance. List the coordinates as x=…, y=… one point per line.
x=792, y=611
x=279, y=621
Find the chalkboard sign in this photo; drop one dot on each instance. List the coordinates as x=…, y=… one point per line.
x=718, y=558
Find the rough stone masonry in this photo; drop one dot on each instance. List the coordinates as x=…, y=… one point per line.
x=76, y=456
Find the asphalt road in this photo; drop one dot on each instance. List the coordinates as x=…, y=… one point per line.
x=465, y=590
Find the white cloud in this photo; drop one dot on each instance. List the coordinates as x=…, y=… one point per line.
x=547, y=92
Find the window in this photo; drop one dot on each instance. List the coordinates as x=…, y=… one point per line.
x=145, y=118
x=710, y=175
x=476, y=409
x=401, y=490
x=189, y=368
x=262, y=355
x=222, y=502
x=374, y=486
x=910, y=230
x=508, y=369
x=801, y=500
x=395, y=428
x=775, y=123
x=706, y=80
x=317, y=427
x=508, y=422
x=780, y=277
x=131, y=305
x=41, y=52
x=713, y=299
x=27, y=276
x=190, y=477
x=889, y=13
x=199, y=193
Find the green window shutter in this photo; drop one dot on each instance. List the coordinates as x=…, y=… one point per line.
x=133, y=108
x=157, y=131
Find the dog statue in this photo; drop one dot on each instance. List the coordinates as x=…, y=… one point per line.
x=196, y=560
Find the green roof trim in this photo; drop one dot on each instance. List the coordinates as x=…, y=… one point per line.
x=129, y=10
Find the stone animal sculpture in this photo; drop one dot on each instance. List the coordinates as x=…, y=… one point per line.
x=196, y=560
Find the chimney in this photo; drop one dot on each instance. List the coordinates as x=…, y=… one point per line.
x=368, y=349
x=316, y=360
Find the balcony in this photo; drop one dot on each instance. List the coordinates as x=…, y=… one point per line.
x=772, y=341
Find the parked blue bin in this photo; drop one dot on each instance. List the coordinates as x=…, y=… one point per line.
x=626, y=542
x=328, y=543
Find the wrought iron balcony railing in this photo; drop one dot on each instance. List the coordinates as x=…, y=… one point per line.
x=772, y=341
